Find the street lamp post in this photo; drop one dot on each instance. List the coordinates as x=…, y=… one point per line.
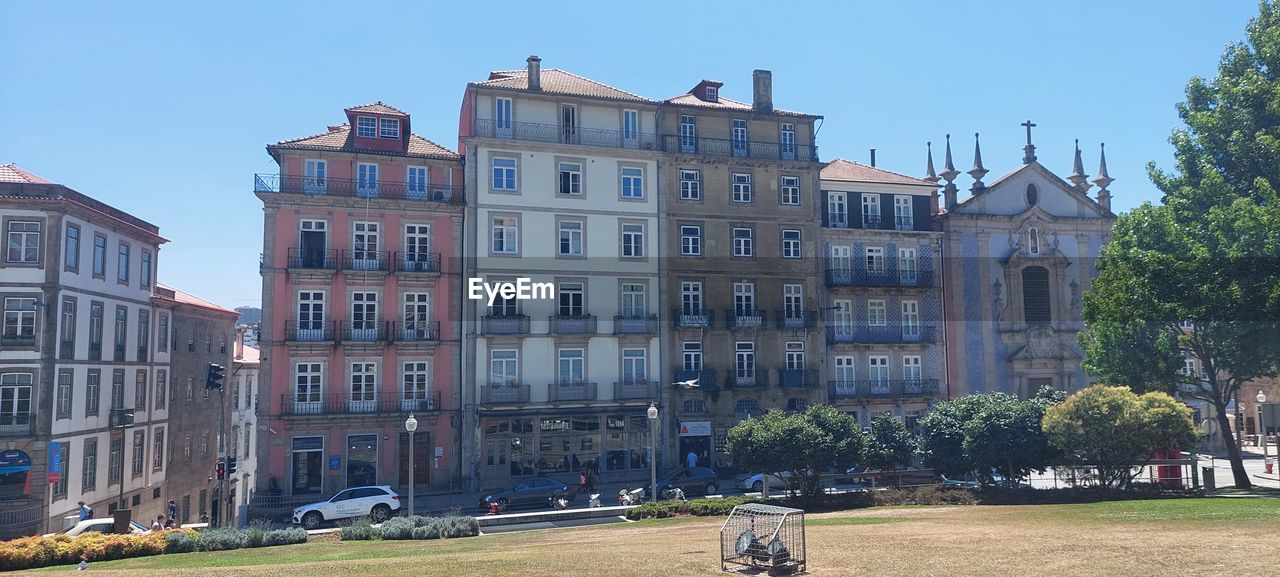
x=1262, y=430
x=652, y=413
x=411, y=425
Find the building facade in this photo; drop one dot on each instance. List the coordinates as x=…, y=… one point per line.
x=242, y=443
x=564, y=173
x=883, y=299
x=739, y=216
x=360, y=273
x=83, y=407
x=1018, y=255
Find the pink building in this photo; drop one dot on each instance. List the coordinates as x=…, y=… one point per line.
x=360, y=280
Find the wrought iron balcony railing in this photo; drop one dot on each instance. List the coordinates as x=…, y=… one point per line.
x=20, y=424
x=569, y=391
x=572, y=324
x=509, y=393
x=326, y=259
x=375, y=260
x=797, y=378
x=880, y=389
x=893, y=333
x=739, y=148
x=630, y=390
x=361, y=188
x=752, y=379
x=364, y=331
x=904, y=222
x=795, y=319
x=310, y=331
x=504, y=324
x=706, y=379
x=528, y=131
x=635, y=325
x=415, y=331
x=843, y=276
x=360, y=403
x=744, y=318
x=693, y=317
x=417, y=262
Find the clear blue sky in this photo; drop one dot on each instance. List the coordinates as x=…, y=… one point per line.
x=163, y=108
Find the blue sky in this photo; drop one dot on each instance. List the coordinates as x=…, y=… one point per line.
x=163, y=108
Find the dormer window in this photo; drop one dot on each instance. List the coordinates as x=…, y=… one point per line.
x=389, y=128
x=712, y=94
x=367, y=127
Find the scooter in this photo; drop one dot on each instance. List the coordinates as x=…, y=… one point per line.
x=497, y=508
x=632, y=497
x=594, y=502
x=673, y=494
x=559, y=501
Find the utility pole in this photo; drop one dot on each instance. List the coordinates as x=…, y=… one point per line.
x=222, y=429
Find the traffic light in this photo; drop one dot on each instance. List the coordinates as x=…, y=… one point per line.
x=220, y=469
x=231, y=466
x=214, y=376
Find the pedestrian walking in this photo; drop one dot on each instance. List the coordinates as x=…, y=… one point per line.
x=85, y=512
x=691, y=460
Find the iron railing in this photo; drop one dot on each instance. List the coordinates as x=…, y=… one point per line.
x=893, y=333
x=359, y=403
x=364, y=332
x=840, y=276
x=797, y=378
x=512, y=393
x=834, y=219
x=880, y=388
x=571, y=391
x=326, y=186
x=795, y=319
x=417, y=262
x=310, y=331
x=739, y=148
x=635, y=325
x=744, y=318
x=325, y=259
x=376, y=260
x=903, y=222
x=20, y=424
x=19, y=522
x=489, y=128
x=572, y=324
x=747, y=379
x=706, y=379
x=504, y=324
x=693, y=317
x=630, y=390
x=415, y=331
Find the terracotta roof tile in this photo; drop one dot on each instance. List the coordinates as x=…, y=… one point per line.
x=556, y=81
x=339, y=139
x=14, y=173
x=378, y=108
x=189, y=299
x=723, y=103
x=841, y=169
x=250, y=355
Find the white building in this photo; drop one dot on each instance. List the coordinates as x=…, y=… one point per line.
x=242, y=443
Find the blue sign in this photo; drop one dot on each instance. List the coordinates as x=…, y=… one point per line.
x=54, y=474
x=335, y=462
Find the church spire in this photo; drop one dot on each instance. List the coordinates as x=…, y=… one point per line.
x=949, y=174
x=929, y=174
x=1104, y=180
x=977, y=172
x=1078, y=177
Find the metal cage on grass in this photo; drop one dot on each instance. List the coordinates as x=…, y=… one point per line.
x=768, y=537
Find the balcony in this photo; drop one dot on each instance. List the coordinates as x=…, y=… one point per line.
x=415, y=331
x=797, y=378
x=753, y=379
x=706, y=379
x=364, y=331
x=795, y=319
x=835, y=219
x=16, y=425
x=744, y=318
x=504, y=325
x=698, y=318
x=512, y=393
x=634, y=390
x=881, y=389
x=359, y=404
x=283, y=184
x=739, y=148
x=528, y=131
x=870, y=220
x=571, y=391
x=904, y=222
x=572, y=324
x=417, y=262
x=837, y=334
x=635, y=325
x=841, y=276
x=313, y=259
x=366, y=260
x=310, y=331
x=120, y=417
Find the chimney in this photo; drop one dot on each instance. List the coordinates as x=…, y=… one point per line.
x=239, y=347
x=535, y=73
x=873, y=158
x=762, y=90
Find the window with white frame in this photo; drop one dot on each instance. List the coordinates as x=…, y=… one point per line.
x=416, y=180
x=634, y=304
x=691, y=298
x=570, y=180
x=787, y=140
x=742, y=242
x=789, y=189
x=876, y=313
x=571, y=366
x=842, y=317
x=417, y=247
x=793, y=302
x=570, y=238
x=744, y=361
x=874, y=259
x=506, y=235
x=691, y=355
x=504, y=174
x=633, y=240
x=310, y=314
x=504, y=307
x=19, y=321
x=502, y=117
x=364, y=315
x=911, y=368
x=504, y=367
x=15, y=399
x=738, y=134
x=791, y=244
x=366, y=239
x=712, y=93
x=416, y=316
x=690, y=185
x=870, y=210
x=634, y=365
x=145, y=270
x=23, y=242
x=845, y=373
x=744, y=299
x=366, y=127
x=878, y=371
x=571, y=300
x=157, y=449
x=388, y=128
x=837, y=209
x=741, y=187
x=632, y=182
x=71, y=248
x=364, y=381
x=366, y=178
x=910, y=319
x=907, y=266
x=902, y=215
x=315, y=175
x=122, y=264
x=795, y=355
x=415, y=383
x=691, y=240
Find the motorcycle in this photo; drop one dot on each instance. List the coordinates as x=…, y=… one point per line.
x=594, y=502
x=559, y=500
x=497, y=508
x=673, y=494
x=632, y=497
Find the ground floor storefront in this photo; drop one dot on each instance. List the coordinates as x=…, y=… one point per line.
x=562, y=444
x=311, y=459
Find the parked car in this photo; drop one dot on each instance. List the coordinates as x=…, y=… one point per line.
x=695, y=481
x=531, y=493
x=378, y=502
x=755, y=483
x=106, y=525
x=970, y=481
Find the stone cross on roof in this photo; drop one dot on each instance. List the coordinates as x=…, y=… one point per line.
x=1029, y=151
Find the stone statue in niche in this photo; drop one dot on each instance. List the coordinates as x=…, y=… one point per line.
x=1001, y=300
x=1015, y=241
x=1041, y=342
x=1053, y=240
x=1075, y=295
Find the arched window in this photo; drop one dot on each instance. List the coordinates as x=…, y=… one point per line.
x=1033, y=241
x=693, y=406
x=1035, y=294
x=747, y=407
x=796, y=404
x=1033, y=194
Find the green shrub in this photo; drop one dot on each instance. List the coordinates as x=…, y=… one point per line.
x=222, y=539
x=430, y=529
x=179, y=542
x=459, y=526
x=397, y=528
x=359, y=529
x=418, y=520
x=292, y=536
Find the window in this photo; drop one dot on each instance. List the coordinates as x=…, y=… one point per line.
x=315, y=174
x=691, y=298
x=417, y=320
x=144, y=334
x=634, y=365
x=122, y=330
x=630, y=127
x=95, y=331
x=191, y=335
x=787, y=140
x=92, y=392
x=795, y=355
x=741, y=182
x=19, y=321
x=506, y=235
x=162, y=333
x=68, y=329
x=157, y=450
x=690, y=185
x=791, y=244
x=307, y=382
x=1033, y=241
x=744, y=299
x=711, y=93
x=790, y=190
x=117, y=389
x=364, y=385
x=388, y=128
x=65, y=393
x=878, y=372
x=114, y=460
x=364, y=315
x=902, y=216
x=747, y=407
x=633, y=240
x=911, y=368
x=793, y=302
x=742, y=242
x=837, y=210
x=24, y=242
x=366, y=179
x=366, y=127
x=417, y=247
x=688, y=133
x=745, y=361
x=911, y=319
x=570, y=301
x=99, y=255
x=144, y=273
x=632, y=182
x=691, y=240
x=89, y=466
x=416, y=180
x=693, y=406
x=71, y=252
x=235, y=396
x=844, y=371
x=571, y=238
x=876, y=313
x=139, y=451
x=204, y=443
x=122, y=264
x=504, y=174
x=738, y=133
x=64, y=462
x=140, y=390
x=692, y=357
x=504, y=307
x=1035, y=294
x=875, y=259
x=162, y=388
x=907, y=266
x=502, y=117
x=504, y=365
x=570, y=178
x=634, y=304
x=842, y=318
x=570, y=366
x=870, y=210
x=415, y=386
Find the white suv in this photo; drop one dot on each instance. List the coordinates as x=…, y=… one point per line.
x=378, y=502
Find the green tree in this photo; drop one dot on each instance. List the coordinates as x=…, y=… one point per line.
x=803, y=444
x=1116, y=431
x=1209, y=254
x=988, y=432
x=889, y=446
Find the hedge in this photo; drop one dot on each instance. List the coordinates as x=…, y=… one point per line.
x=414, y=527
x=928, y=495
x=33, y=552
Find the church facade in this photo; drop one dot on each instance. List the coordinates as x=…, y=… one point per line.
x=1018, y=254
